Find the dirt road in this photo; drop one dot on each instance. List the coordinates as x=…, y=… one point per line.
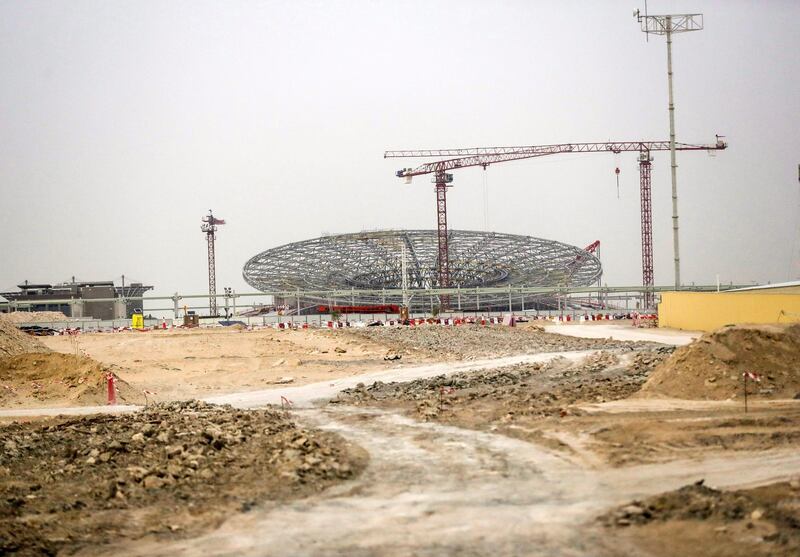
x=439, y=490
x=624, y=331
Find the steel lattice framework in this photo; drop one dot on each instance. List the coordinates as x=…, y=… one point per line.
x=374, y=261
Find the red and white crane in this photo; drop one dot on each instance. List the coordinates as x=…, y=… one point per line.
x=485, y=156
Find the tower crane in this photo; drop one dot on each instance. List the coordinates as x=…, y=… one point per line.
x=485, y=156
x=209, y=226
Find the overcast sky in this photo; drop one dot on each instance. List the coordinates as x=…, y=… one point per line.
x=124, y=122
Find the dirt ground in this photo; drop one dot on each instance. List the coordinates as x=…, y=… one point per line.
x=180, y=364
x=547, y=403
x=171, y=470
x=203, y=362
x=696, y=520
x=560, y=440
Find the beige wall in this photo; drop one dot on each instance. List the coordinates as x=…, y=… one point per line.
x=706, y=311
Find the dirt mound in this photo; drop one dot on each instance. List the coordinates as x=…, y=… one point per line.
x=468, y=342
x=760, y=521
x=35, y=316
x=13, y=341
x=173, y=469
x=711, y=367
x=42, y=377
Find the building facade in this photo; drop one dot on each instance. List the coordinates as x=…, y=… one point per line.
x=98, y=300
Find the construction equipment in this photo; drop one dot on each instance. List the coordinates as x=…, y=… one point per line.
x=209, y=226
x=485, y=156
x=579, y=259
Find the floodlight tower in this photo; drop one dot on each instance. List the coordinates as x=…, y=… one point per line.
x=209, y=226
x=667, y=25
x=796, y=250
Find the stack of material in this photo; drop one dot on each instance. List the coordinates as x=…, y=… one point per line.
x=13, y=341
x=35, y=316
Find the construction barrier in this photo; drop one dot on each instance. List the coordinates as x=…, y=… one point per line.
x=300, y=323
x=112, y=390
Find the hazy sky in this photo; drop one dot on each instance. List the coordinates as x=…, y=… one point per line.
x=124, y=122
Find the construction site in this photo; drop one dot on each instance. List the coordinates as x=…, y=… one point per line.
x=413, y=389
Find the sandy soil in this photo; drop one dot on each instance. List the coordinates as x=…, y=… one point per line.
x=199, y=363
x=712, y=367
x=48, y=378
x=34, y=316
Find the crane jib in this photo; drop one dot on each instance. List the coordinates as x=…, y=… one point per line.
x=485, y=156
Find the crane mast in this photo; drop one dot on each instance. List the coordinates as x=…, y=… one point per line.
x=484, y=156
x=209, y=226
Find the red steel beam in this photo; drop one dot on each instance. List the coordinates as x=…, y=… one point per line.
x=484, y=156
x=646, y=200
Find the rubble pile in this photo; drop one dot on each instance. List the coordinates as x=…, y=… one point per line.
x=422, y=388
x=468, y=342
x=522, y=389
x=769, y=514
x=175, y=467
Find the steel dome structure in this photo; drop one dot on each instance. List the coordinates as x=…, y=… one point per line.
x=367, y=263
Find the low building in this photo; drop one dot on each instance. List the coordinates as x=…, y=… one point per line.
x=707, y=311
x=98, y=300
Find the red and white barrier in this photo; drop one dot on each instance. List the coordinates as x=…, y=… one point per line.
x=112, y=390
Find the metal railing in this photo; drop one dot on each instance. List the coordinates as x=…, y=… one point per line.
x=239, y=300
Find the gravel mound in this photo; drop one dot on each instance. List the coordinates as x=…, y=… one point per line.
x=711, y=367
x=171, y=469
x=469, y=342
x=13, y=341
